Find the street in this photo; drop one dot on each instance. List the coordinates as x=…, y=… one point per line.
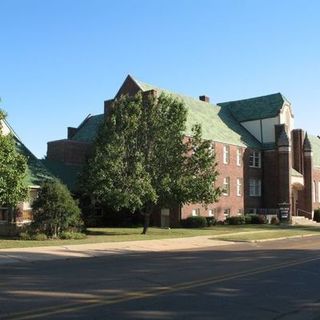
x=267, y=280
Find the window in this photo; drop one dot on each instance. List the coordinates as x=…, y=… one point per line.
x=318, y=191
x=212, y=212
x=314, y=191
x=255, y=159
x=195, y=212
x=226, y=186
x=240, y=212
x=239, y=157
x=239, y=187
x=226, y=213
x=255, y=187
x=226, y=154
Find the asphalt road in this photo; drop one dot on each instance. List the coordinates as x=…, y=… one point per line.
x=270, y=280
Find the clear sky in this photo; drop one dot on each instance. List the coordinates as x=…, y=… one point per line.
x=60, y=59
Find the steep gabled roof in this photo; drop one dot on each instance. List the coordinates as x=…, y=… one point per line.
x=87, y=131
x=36, y=171
x=255, y=108
x=217, y=123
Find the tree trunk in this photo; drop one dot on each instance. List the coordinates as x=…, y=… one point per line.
x=146, y=222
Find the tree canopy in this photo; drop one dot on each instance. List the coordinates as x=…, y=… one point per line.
x=13, y=167
x=142, y=158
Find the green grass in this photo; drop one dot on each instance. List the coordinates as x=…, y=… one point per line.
x=223, y=232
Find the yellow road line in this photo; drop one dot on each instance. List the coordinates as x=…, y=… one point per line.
x=73, y=307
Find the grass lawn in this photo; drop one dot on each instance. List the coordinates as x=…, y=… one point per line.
x=223, y=232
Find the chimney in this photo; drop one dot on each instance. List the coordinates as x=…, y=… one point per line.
x=204, y=98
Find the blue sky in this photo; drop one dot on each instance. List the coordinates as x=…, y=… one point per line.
x=60, y=59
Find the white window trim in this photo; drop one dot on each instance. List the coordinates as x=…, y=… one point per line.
x=239, y=157
x=226, y=190
x=226, y=154
x=239, y=187
x=256, y=159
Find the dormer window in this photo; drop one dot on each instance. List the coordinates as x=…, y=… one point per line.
x=255, y=159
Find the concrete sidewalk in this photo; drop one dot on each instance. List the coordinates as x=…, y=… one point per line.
x=19, y=255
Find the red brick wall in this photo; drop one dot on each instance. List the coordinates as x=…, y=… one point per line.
x=232, y=201
x=68, y=151
x=270, y=179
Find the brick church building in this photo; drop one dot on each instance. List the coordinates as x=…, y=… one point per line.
x=263, y=161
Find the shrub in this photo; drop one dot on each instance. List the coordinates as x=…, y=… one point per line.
x=66, y=235
x=194, y=222
x=25, y=236
x=55, y=211
x=236, y=220
x=258, y=219
x=39, y=237
x=316, y=216
x=33, y=236
x=275, y=220
x=248, y=218
x=211, y=221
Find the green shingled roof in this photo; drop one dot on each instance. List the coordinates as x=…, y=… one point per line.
x=68, y=174
x=217, y=123
x=255, y=108
x=87, y=131
x=36, y=171
x=315, y=145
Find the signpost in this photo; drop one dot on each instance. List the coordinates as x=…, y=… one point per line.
x=284, y=212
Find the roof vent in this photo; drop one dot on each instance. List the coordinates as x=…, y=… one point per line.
x=204, y=98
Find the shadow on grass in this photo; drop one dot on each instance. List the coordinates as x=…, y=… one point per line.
x=107, y=233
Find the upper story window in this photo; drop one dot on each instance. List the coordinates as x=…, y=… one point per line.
x=255, y=159
x=226, y=154
x=239, y=157
x=239, y=187
x=255, y=187
x=226, y=186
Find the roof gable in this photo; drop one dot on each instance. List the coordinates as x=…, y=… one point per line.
x=262, y=107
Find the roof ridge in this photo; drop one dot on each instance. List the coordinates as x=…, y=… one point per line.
x=182, y=95
x=254, y=98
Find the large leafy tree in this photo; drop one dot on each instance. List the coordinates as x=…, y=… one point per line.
x=13, y=168
x=142, y=159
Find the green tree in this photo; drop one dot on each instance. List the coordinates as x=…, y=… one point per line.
x=13, y=167
x=141, y=159
x=54, y=210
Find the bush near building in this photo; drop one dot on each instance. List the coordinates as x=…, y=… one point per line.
x=55, y=211
x=194, y=222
